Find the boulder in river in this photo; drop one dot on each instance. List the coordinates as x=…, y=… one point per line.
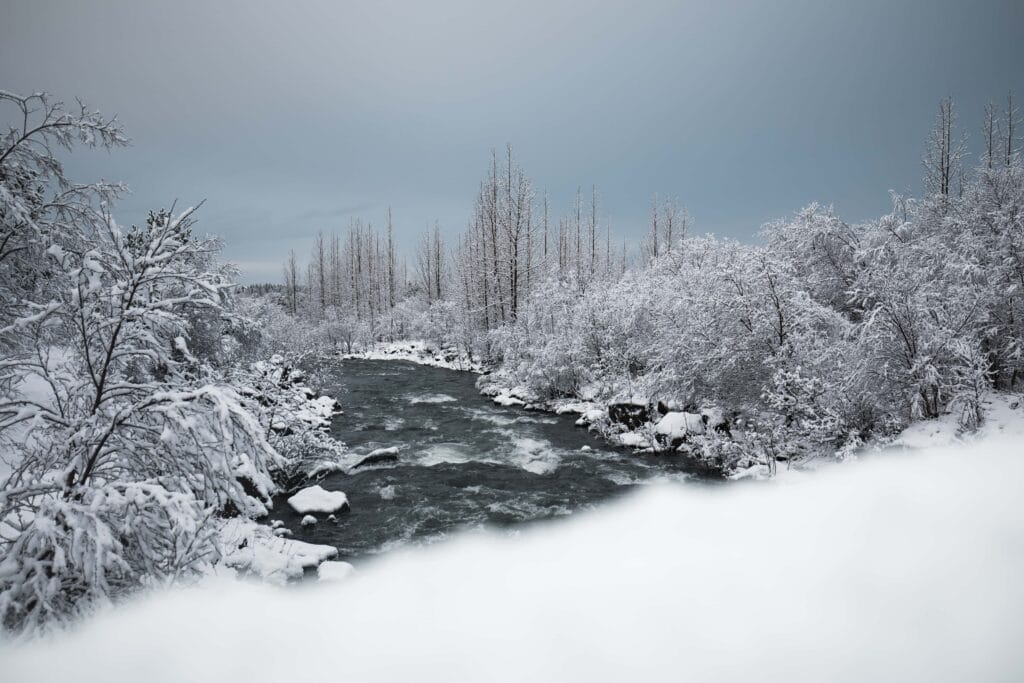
x=379, y=456
x=318, y=499
x=632, y=414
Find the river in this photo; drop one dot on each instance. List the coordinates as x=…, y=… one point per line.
x=464, y=462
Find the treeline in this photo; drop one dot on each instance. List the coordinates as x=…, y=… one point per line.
x=359, y=287
x=826, y=334
x=830, y=331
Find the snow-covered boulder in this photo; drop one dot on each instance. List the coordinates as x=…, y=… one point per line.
x=308, y=520
x=578, y=407
x=318, y=499
x=259, y=550
x=676, y=426
x=592, y=416
x=379, y=456
x=632, y=440
x=507, y=399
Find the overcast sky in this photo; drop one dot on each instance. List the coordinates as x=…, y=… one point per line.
x=294, y=117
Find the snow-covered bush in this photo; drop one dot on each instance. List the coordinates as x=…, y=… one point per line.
x=122, y=443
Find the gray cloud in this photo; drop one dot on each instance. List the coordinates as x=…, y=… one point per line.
x=292, y=117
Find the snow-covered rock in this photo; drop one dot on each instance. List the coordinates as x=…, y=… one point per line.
x=632, y=413
x=318, y=499
x=632, y=440
x=378, y=456
x=591, y=416
x=675, y=426
x=507, y=399
x=259, y=550
x=308, y=520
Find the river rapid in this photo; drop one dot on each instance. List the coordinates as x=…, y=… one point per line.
x=463, y=463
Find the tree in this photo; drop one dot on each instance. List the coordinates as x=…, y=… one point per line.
x=126, y=450
x=124, y=446
x=291, y=282
x=945, y=151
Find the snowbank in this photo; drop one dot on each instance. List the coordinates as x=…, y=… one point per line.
x=258, y=550
x=318, y=499
x=897, y=567
x=334, y=571
x=420, y=353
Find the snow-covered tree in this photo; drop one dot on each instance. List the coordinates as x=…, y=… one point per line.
x=123, y=445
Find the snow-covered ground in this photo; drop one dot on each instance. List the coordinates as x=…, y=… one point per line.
x=258, y=550
x=420, y=353
x=904, y=566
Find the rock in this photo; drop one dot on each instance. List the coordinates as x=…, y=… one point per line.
x=632, y=415
x=590, y=417
x=586, y=449
x=676, y=427
x=715, y=418
x=318, y=499
x=507, y=400
x=381, y=455
x=308, y=520
x=632, y=440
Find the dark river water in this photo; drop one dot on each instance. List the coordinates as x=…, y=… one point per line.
x=464, y=462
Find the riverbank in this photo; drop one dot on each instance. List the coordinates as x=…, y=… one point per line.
x=297, y=419
x=419, y=352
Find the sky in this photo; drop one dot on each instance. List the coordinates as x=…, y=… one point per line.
x=289, y=118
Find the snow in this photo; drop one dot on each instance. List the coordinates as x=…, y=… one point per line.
x=334, y=571
x=591, y=416
x=317, y=499
x=261, y=550
x=632, y=440
x=506, y=399
x=913, y=574
x=308, y=520
x=1004, y=417
x=677, y=425
x=580, y=407
x=418, y=352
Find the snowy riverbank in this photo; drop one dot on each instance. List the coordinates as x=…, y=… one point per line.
x=909, y=575
x=650, y=426
x=297, y=420
x=419, y=352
